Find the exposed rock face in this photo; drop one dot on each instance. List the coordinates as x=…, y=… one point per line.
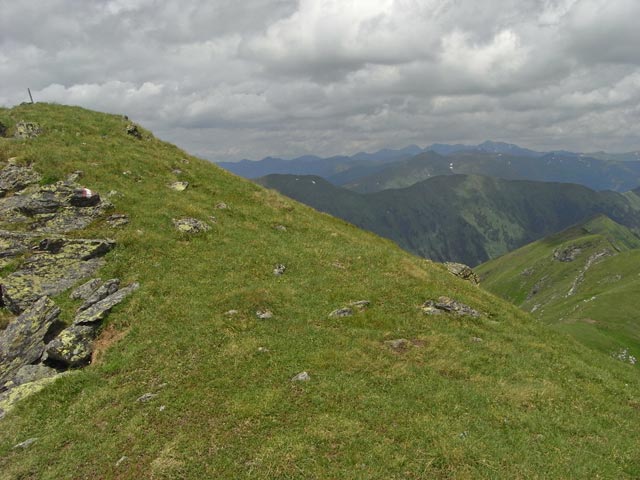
x=28, y=374
x=118, y=220
x=46, y=263
x=21, y=343
x=99, y=310
x=448, y=305
x=85, y=290
x=108, y=288
x=190, y=225
x=27, y=130
x=73, y=346
x=55, y=265
x=15, y=177
x=463, y=271
x=132, y=130
x=567, y=254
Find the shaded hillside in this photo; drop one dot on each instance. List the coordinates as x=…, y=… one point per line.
x=585, y=281
x=553, y=167
x=461, y=218
x=200, y=373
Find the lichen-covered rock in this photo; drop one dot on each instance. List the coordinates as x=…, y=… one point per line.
x=15, y=177
x=360, y=304
x=132, y=130
x=301, y=377
x=190, y=225
x=73, y=346
x=399, y=344
x=118, y=220
x=108, y=288
x=10, y=398
x=21, y=343
x=264, y=314
x=279, y=269
x=27, y=130
x=57, y=265
x=99, y=310
x=178, y=186
x=13, y=244
x=85, y=290
x=463, y=271
x=29, y=373
x=448, y=305
x=567, y=254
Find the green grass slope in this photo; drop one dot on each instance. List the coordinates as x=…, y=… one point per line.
x=463, y=218
x=592, y=297
x=522, y=402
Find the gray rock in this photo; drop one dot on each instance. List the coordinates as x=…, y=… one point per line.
x=567, y=254
x=279, y=269
x=99, y=310
x=118, y=220
x=85, y=290
x=221, y=206
x=27, y=130
x=446, y=304
x=73, y=346
x=146, y=397
x=190, y=225
x=361, y=304
x=264, y=314
x=463, y=271
x=107, y=288
x=121, y=460
x=341, y=312
x=27, y=443
x=280, y=228
x=133, y=131
x=21, y=343
x=29, y=373
x=16, y=177
x=56, y=265
x=301, y=377
x=476, y=340
x=231, y=313
x=398, y=344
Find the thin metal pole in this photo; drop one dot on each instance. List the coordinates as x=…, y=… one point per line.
x=30, y=96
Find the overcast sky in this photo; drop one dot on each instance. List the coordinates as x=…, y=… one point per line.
x=232, y=79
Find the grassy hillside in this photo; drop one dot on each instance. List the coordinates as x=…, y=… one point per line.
x=597, y=174
x=462, y=218
x=593, y=296
x=498, y=396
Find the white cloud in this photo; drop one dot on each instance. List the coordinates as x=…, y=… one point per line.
x=232, y=79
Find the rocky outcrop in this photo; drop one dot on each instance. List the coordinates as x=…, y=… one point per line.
x=463, y=271
x=99, y=310
x=35, y=347
x=22, y=342
x=178, y=186
x=73, y=346
x=27, y=130
x=448, y=305
x=567, y=254
x=190, y=225
x=54, y=265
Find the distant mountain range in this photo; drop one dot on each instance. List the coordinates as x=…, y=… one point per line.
x=466, y=218
x=580, y=281
x=370, y=172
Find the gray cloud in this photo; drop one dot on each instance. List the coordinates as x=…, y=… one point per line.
x=228, y=79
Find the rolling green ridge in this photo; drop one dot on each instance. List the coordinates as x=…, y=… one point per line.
x=592, y=296
x=597, y=174
x=462, y=218
x=498, y=396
